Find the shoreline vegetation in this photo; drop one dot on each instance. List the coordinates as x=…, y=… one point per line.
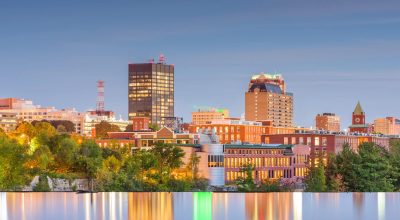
x=40, y=158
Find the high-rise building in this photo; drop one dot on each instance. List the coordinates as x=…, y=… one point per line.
x=387, y=126
x=205, y=116
x=151, y=91
x=327, y=122
x=358, y=120
x=267, y=100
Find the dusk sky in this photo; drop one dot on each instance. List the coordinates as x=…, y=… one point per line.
x=331, y=53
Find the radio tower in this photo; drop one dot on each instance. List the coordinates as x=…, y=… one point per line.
x=100, y=96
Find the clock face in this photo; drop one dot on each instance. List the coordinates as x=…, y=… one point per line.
x=357, y=120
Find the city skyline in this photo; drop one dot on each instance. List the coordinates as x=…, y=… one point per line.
x=347, y=54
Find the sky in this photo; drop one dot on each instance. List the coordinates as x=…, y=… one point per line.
x=331, y=53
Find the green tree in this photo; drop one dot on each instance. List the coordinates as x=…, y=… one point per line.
x=25, y=132
x=13, y=175
x=315, y=179
x=246, y=184
x=334, y=182
x=65, y=152
x=348, y=165
x=42, y=185
x=103, y=127
x=169, y=157
x=45, y=128
x=154, y=127
x=193, y=166
x=43, y=158
x=90, y=160
x=375, y=170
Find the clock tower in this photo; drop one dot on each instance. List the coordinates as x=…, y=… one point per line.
x=358, y=120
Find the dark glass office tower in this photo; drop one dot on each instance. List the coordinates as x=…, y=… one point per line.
x=151, y=91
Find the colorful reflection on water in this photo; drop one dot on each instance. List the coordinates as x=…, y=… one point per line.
x=199, y=206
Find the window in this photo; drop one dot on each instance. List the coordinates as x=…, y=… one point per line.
x=301, y=140
x=309, y=141
x=285, y=140
x=324, y=141
x=316, y=141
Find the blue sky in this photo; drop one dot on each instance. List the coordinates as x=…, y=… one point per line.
x=331, y=53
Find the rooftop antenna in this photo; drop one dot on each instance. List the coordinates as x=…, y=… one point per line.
x=162, y=59
x=100, y=96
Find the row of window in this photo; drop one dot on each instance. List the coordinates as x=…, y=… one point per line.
x=318, y=141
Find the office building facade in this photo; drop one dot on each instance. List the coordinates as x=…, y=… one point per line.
x=151, y=91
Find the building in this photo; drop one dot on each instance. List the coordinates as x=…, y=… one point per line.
x=8, y=121
x=25, y=110
x=387, y=126
x=270, y=161
x=151, y=91
x=327, y=122
x=205, y=116
x=322, y=144
x=234, y=130
x=358, y=121
x=147, y=139
x=267, y=100
x=90, y=120
x=140, y=123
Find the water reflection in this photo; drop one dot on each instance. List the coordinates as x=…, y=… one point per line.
x=199, y=205
x=150, y=206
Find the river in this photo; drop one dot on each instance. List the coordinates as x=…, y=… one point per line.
x=199, y=206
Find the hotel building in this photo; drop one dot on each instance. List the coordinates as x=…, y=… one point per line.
x=151, y=91
x=267, y=100
x=327, y=122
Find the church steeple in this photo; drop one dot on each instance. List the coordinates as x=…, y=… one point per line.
x=358, y=110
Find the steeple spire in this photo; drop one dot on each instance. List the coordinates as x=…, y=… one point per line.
x=358, y=110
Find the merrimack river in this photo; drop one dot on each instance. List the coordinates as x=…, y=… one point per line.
x=199, y=206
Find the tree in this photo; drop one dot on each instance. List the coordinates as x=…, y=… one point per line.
x=65, y=151
x=347, y=164
x=154, y=127
x=45, y=128
x=43, y=158
x=315, y=179
x=61, y=129
x=193, y=166
x=246, y=184
x=168, y=157
x=334, y=182
x=25, y=132
x=375, y=170
x=12, y=171
x=103, y=127
x=90, y=160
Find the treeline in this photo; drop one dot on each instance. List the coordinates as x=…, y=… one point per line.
x=40, y=150
x=370, y=169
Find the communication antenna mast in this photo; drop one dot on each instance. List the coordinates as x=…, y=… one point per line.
x=100, y=96
x=162, y=59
